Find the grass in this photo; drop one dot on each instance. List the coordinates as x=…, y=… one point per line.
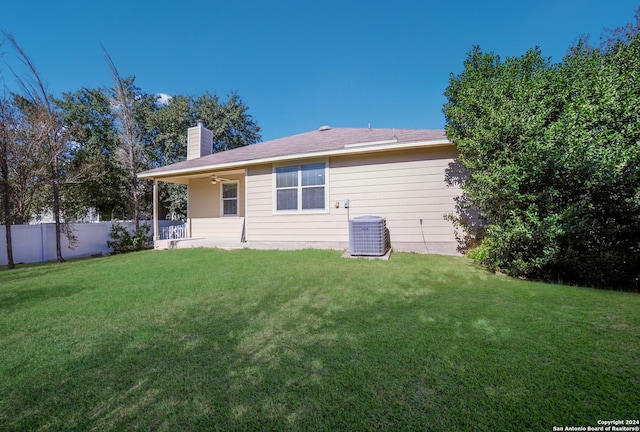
x=271, y=340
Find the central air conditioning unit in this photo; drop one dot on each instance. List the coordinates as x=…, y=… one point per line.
x=368, y=235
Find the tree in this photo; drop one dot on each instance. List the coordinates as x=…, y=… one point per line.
x=552, y=153
x=230, y=122
x=48, y=131
x=87, y=114
x=28, y=173
x=129, y=152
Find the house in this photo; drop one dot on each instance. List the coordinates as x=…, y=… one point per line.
x=301, y=190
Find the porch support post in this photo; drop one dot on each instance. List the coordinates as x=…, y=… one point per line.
x=156, y=232
x=246, y=201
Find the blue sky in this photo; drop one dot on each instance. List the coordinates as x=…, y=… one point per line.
x=300, y=64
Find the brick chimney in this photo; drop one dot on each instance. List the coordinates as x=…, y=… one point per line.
x=199, y=141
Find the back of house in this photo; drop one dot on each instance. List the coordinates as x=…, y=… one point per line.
x=302, y=190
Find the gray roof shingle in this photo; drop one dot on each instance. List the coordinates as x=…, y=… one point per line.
x=309, y=142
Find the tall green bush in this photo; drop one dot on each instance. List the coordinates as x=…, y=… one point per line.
x=553, y=159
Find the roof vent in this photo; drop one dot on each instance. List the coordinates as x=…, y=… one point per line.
x=324, y=128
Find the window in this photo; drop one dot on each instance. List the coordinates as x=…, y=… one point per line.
x=230, y=199
x=300, y=187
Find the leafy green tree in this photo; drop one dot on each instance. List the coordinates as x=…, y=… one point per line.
x=100, y=178
x=170, y=123
x=551, y=153
x=230, y=122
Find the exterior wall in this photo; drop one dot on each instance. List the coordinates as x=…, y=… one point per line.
x=402, y=186
x=205, y=209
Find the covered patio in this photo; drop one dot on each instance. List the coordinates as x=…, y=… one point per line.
x=215, y=209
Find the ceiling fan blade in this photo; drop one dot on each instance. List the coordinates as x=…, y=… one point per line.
x=215, y=178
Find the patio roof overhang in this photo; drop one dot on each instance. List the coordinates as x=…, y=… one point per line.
x=184, y=178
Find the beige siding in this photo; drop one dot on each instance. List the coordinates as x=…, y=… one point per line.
x=217, y=228
x=204, y=199
x=205, y=209
x=404, y=187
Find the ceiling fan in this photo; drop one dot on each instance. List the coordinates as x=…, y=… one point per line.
x=215, y=179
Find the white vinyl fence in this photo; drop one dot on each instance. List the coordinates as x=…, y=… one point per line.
x=37, y=243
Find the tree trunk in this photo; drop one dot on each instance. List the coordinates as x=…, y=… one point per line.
x=7, y=231
x=136, y=204
x=6, y=202
x=6, y=206
x=133, y=178
x=56, y=209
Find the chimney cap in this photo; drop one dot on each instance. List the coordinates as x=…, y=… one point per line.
x=200, y=122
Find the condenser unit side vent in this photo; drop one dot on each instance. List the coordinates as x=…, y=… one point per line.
x=368, y=235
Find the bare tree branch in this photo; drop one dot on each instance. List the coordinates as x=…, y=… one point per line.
x=129, y=153
x=44, y=118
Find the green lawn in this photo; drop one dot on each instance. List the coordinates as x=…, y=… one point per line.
x=207, y=339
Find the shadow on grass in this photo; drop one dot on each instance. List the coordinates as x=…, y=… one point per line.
x=28, y=271
x=10, y=300
x=33, y=287
x=39, y=282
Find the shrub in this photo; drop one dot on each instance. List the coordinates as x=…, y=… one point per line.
x=124, y=242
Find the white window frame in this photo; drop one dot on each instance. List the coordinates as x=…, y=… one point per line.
x=299, y=187
x=223, y=199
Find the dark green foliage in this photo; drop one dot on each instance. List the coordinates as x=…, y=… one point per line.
x=553, y=160
x=124, y=242
x=99, y=177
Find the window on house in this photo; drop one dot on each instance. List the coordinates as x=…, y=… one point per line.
x=300, y=187
x=230, y=199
